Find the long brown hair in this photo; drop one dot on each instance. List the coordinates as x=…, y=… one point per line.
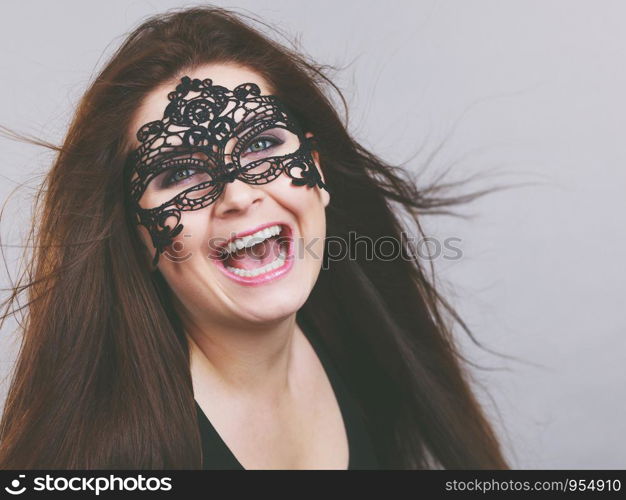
x=102, y=378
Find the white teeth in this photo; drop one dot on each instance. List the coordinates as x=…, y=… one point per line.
x=249, y=273
x=252, y=239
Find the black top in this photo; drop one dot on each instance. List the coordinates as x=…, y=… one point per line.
x=217, y=455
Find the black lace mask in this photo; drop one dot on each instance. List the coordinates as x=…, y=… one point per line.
x=199, y=122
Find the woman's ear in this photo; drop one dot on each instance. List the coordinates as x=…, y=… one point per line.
x=316, y=157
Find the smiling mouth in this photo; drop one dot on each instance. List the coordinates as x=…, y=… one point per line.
x=260, y=257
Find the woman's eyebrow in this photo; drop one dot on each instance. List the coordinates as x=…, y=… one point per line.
x=268, y=110
x=180, y=151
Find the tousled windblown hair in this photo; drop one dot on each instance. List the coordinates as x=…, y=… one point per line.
x=102, y=379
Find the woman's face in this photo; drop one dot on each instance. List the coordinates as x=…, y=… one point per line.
x=204, y=288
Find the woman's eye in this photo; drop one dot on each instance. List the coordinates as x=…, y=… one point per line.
x=261, y=144
x=179, y=175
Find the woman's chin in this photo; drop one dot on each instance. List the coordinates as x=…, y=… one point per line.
x=272, y=310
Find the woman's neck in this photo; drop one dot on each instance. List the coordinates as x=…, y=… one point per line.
x=259, y=362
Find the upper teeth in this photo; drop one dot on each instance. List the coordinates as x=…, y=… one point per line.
x=252, y=239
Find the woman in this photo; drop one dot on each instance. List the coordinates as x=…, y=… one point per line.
x=184, y=311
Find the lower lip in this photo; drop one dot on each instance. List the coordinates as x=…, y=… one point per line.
x=261, y=279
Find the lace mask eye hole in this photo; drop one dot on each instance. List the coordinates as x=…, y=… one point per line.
x=261, y=144
x=176, y=176
x=266, y=147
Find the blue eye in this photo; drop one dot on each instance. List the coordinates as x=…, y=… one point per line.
x=261, y=144
x=178, y=175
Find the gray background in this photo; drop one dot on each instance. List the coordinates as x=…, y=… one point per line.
x=537, y=91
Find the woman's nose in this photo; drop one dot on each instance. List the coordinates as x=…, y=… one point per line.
x=237, y=196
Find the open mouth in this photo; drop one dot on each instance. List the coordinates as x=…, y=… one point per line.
x=258, y=257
